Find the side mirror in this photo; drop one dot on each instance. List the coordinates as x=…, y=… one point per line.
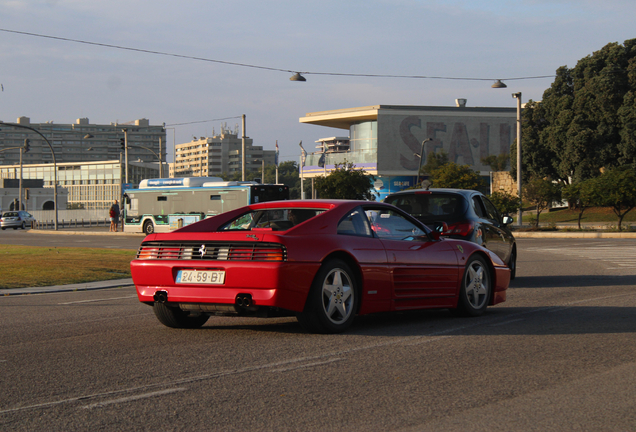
x=507, y=220
x=440, y=229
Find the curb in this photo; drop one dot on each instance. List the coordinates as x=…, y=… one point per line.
x=100, y=233
x=115, y=283
x=586, y=235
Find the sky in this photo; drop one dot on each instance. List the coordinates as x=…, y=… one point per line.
x=198, y=87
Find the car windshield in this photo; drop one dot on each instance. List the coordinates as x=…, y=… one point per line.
x=280, y=219
x=430, y=207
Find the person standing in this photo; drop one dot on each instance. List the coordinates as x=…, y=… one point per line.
x=114, y=214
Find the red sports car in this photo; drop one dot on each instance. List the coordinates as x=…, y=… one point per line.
x=322, y=260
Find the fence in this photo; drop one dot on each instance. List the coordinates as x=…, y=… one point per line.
x=45, y=219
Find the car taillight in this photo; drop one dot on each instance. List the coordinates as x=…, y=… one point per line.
x=147, y=253
x=461, y=229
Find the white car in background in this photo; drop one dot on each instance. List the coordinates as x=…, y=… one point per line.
x=16, y=219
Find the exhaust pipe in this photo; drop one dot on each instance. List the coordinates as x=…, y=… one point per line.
x=244, y=300
x=161, y=297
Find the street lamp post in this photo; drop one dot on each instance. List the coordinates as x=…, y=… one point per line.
x=518, y=97
x=500, y=84
x=421, y=156
x=54, y=162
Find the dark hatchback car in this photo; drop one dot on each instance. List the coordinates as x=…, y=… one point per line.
x=468, y=214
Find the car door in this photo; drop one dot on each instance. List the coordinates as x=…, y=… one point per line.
x=424, y=271
x=499, y=240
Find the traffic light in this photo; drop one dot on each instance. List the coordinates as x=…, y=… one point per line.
x=27, y=145
x=122, y=141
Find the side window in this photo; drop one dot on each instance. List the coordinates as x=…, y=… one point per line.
x=386, y=224
x=491, y=209
x=354, y=224
x=479, y=208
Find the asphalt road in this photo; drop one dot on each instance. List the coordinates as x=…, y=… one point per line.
x=558, y=355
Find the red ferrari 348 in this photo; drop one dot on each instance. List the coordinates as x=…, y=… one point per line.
x=324, y=261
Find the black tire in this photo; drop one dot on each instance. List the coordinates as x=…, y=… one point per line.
x=333, y=299
x=174, y=317
x=149, y=227
x=512, y=264
x=476, y=288
x=23, y=226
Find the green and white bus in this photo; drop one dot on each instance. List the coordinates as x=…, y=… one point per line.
x=163, y=205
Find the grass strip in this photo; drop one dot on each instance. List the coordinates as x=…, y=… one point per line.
x=32, y=266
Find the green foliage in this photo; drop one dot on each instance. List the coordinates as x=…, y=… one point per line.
x=497, y=162
x=506, y=203
x=586, y=119
x=581, y=196
x=434, y=161
x=541, y=193
x=452, y=175
x=346, y=182
x=617, y=189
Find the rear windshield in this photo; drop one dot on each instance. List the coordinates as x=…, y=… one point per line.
x=274, y=219
x=11, y=214
x=430, y=207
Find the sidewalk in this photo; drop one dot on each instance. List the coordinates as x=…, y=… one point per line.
x=84, y=231
x=115, y=283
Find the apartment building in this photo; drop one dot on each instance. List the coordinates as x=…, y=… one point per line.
x=82, y=142
x=213, y=156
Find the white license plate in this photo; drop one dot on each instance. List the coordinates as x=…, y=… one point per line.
x=201, y=277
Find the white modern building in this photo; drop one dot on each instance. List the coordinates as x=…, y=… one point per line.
x=386, y=140
x=34, y=195
x=86, y=185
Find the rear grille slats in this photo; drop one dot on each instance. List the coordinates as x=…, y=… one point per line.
x=220, y=251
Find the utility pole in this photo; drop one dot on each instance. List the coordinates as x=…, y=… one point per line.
x=20, y=183
x=126, y=152
x=243, y=150
x=160, y=160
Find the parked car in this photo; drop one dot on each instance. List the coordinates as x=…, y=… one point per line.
x=322, y=260
x=16, y=219
x=468, y=214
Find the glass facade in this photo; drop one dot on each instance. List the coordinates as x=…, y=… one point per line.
x=363, y=147
x=363, y=136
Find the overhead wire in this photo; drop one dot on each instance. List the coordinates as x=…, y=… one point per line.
x=247, y=65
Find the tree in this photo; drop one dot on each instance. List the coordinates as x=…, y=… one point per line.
x=452, y=175
x=617, y=189
x=586, y=119
x=346, y=182
x=541, y=193
x=506, y=203
x=497, y=162
x=581, y=196
x=434, y=161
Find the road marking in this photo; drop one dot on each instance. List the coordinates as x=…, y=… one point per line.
x=134, y=398
x=98, y=300
x=320, y=363
x=406, y=340
x=620, y=257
